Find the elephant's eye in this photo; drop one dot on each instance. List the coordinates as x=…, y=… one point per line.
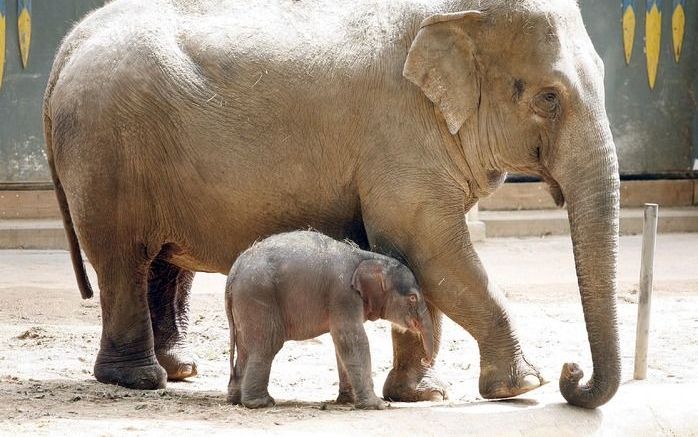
x=547, y=104
x=412, y=298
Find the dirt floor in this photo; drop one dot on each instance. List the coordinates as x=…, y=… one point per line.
x=49, y=339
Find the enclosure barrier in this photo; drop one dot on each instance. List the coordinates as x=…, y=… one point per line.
x=649, y=236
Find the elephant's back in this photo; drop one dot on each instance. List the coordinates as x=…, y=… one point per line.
x=117, y=87
x=121, y=49
x=297, y=257
x=204, y=33
x=299, y=251
x=130, y=55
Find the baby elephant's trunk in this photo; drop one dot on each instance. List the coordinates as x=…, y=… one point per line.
x=426, y=330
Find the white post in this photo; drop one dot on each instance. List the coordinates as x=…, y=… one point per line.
x=649, y=236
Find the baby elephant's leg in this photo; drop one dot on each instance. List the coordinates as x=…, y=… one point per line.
x=237, y=371
x=346, y=391
x=352, y=348
x=255, y=380
x=257, y=343
x=257, y=340
x=260, y=344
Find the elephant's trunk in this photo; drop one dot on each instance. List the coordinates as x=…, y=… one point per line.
x=426, y=331
x=590, y=184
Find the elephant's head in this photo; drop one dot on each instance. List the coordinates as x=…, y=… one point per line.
x=390, y=291
x=519, y=88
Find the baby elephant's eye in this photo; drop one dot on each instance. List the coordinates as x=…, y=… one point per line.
x=412, y=298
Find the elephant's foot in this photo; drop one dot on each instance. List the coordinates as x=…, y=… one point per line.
x=234, y=397
x=177, y=366
x=260, y=402
x=506, y=380
x=345, y=397
x=372, y=403
x=147, y=375
x=414, y=385
x=234, y=393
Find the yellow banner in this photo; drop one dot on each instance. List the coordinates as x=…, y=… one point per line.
x=2, y=41
x=24, y=28
x=653, y=37
x=678, y=24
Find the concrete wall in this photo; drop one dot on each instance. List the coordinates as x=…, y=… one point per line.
x=22, y=157
x=654, y=129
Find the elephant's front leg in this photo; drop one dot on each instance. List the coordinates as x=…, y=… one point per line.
x=470, y=299
x=434, y=240
x=168, y=299
x=346, y=391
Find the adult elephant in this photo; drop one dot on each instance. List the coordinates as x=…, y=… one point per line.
x=179, y=132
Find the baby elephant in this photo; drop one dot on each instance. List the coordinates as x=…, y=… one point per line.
x=298, y=285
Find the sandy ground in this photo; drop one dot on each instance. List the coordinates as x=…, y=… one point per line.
x=49, y=339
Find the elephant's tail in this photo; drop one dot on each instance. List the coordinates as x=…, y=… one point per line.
x=73, y=243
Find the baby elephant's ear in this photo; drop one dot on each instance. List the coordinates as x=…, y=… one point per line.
x=369, y=281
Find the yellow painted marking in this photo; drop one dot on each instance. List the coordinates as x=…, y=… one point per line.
x=24, y=27
x=628, y=32
x=678, y=23
x=653, y=37
x=2, y=47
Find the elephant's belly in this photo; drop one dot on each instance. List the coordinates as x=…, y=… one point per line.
x=189, y=262
x=214, y=249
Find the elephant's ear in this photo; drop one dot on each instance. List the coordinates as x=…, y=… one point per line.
x=441, y=62
x=369, y=281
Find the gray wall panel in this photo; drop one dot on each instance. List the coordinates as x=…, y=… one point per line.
x=653, y=129
x=22, y=156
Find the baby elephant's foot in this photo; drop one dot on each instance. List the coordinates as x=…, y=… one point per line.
x=234, y=396
x=345, y=397
x=261, y=402
x=373, y=403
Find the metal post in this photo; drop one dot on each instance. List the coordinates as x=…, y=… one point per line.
x=649, y=236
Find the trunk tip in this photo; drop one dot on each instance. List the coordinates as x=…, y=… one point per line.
x=571, y=374
x=596, y=392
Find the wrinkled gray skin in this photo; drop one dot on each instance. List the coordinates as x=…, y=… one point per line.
x=306, y=284
x=179, y=132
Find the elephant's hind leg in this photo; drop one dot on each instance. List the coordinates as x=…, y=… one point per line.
x=126, y=355
x=168, y=299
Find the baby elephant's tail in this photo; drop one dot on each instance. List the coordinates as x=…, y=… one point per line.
x=231, y=325
x=231, y=320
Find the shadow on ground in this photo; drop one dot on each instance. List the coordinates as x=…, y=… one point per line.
x=89, y=405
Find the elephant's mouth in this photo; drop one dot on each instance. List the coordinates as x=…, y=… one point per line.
x=556, y=192
x=553, y=187
x=414, y=326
